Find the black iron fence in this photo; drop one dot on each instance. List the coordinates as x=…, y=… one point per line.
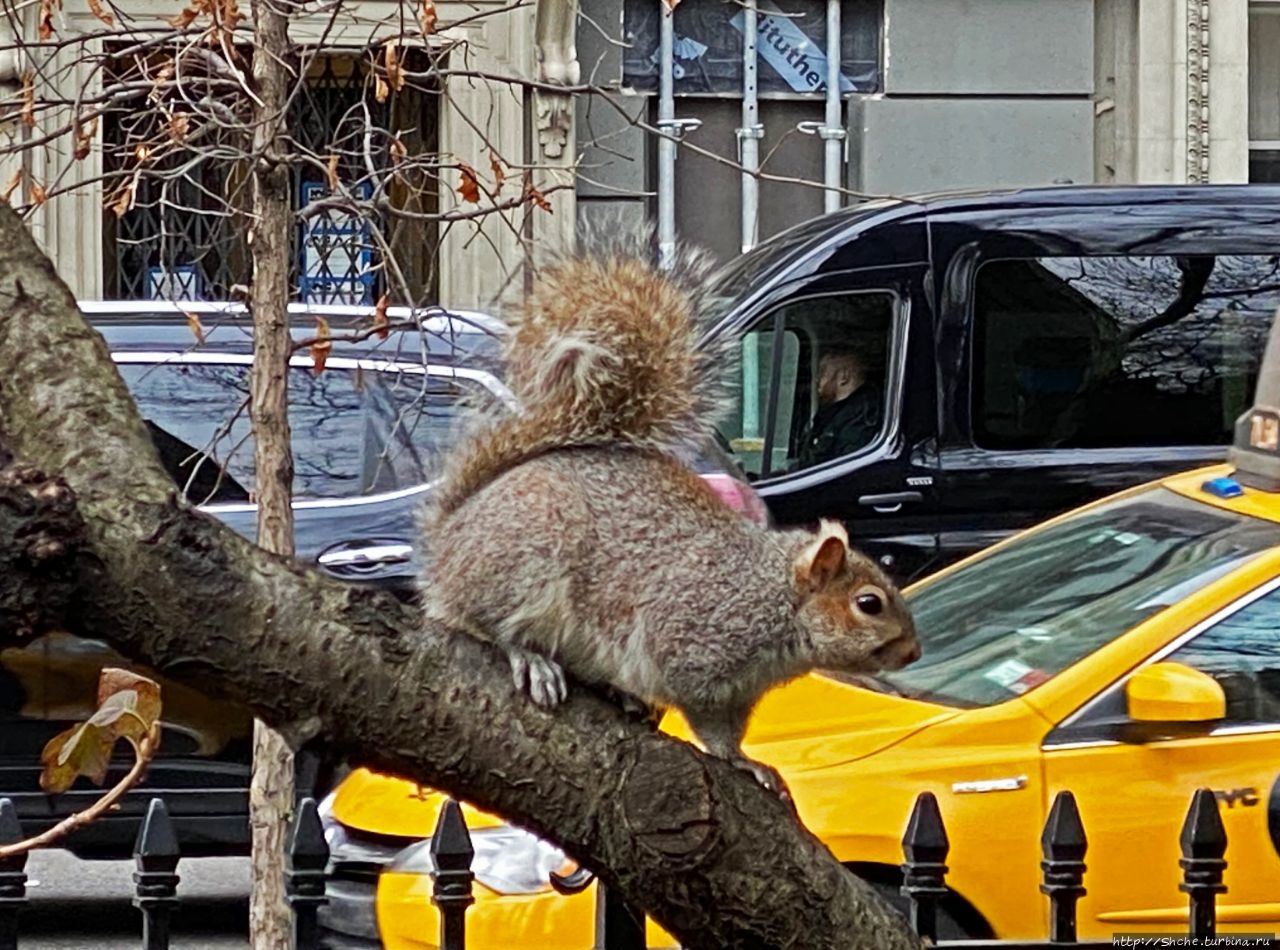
x=925, y=846
x=155, y=878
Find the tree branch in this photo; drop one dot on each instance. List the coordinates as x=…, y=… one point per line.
x=671, y=829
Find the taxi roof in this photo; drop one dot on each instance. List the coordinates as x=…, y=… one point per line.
x=1252, y=501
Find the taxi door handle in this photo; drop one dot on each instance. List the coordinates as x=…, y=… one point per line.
x=889, y=502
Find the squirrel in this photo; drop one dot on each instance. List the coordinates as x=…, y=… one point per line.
x=575, y=535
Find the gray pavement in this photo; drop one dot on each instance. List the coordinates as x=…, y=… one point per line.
x=85, y=905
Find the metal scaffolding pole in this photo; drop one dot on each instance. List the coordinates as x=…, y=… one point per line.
x=751, y=132
x=833, y=132
x=671, y=130
x=667, y=141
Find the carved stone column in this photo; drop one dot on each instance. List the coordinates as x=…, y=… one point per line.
x=1197, y=17
x=555, y=30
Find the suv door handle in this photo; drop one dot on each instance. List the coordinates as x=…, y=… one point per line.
x=889, y=502
x=358, y=557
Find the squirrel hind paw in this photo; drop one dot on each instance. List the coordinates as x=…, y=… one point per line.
x=541, y=678
x=631, y=704
x=766, y=776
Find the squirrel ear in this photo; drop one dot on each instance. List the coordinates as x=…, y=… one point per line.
x=823, y=560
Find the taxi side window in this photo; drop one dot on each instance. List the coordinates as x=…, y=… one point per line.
x=1060, y=343
x=1242, y=652
x=830, y=371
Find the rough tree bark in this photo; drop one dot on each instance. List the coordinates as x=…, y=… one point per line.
x=271, y=210
x=697, y=843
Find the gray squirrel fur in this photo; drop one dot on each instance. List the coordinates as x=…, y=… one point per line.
x=574, y=535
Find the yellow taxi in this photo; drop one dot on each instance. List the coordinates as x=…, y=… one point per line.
x=1128, y=651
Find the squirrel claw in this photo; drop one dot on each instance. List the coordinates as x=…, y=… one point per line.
x=541, y=678
x=767, y=777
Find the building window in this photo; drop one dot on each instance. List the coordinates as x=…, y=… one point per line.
x=176, y=207
x=1264, y=92
x=791, y=46
x=620, y=44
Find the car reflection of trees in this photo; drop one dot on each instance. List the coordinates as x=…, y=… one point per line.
x=354, y=432
x=1144, y=334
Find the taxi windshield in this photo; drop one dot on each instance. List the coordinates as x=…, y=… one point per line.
x=1024, y=613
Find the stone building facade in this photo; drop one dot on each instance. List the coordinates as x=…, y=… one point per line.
x=935, y=95
x=949, y=94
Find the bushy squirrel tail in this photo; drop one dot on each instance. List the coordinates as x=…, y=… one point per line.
x=603, y=350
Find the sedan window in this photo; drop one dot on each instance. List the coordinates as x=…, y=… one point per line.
x=1023, y=613
x=356, y=431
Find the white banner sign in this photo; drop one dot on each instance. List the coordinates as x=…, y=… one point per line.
x=790, y=52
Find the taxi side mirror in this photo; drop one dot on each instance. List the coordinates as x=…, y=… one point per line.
x=1173, y=694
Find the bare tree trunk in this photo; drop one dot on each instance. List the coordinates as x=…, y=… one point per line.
x=271, y=787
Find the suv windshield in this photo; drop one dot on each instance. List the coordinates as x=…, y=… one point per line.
x=1024, y=613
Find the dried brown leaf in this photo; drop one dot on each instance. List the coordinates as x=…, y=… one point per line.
x=380, y=319
x=391, y=62
x=398, y=152
x=331, y=172
x=231, y=18
x=380, y=89
x=183, y=19
x=36, y=193
x=84, y=134
x=195, y=326
x=162, y=77
x=469, y=187
x=122, y=201
x=427, y=16
x=11, y=186
x=128, y=708
x=499, y=176
x=28, y=113
x=48, y=9
x=97, y=9
x=537, y=197
x=179, y=126
x=321, y=347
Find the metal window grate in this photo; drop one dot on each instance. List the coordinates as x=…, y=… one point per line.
x=183, y=236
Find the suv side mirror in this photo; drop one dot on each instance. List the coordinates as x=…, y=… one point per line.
x=1170, y=699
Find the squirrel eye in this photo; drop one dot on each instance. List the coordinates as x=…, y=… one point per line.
x=869, y=604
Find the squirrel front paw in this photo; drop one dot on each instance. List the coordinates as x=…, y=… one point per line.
x=541, y=678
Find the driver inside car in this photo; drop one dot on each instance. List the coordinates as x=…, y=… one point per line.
x=850, y=409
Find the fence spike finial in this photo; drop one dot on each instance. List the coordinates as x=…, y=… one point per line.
x=1204, y=842
x=156, y=855
x=13, y=877
x=925, y=846
x=452, y=853
x=1063, y=844
x=304, y=873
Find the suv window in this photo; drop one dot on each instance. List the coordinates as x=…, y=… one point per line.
x=356, y=430
x=1096, y=352
x=831, y=356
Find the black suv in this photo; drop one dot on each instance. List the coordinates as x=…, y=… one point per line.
x=1002, y=356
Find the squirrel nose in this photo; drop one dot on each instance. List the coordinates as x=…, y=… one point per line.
x=912, y=654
